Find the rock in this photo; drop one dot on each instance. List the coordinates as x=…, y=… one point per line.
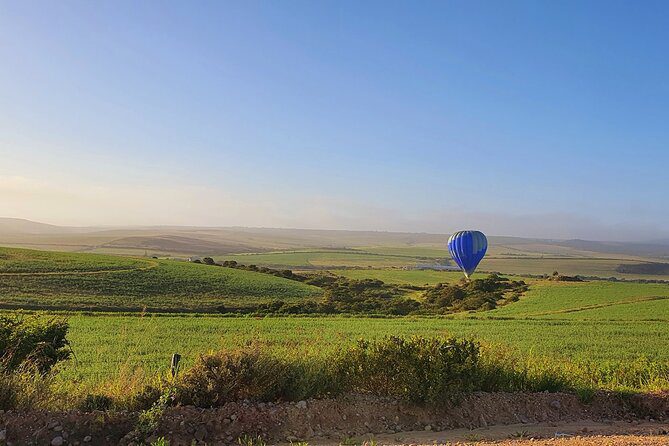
x=291, y=438
x=555, y=404
x=58, y=428
x=233, y=417
x=87, y=438
x=3, y=435
x=301, y=404
x=52, y=424
x=57, y=441
x=428, y=427
x=200, y=433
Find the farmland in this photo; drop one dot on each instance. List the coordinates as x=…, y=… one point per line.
x=584, y=328
x=38, y=279
x=105, y=344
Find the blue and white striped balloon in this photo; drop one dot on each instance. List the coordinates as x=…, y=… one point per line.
x=467, y=249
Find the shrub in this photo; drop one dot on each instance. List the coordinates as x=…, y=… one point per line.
x=233, y=375
x=32, y=343
x=416, y=369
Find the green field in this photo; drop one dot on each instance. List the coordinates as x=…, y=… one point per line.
x=324, y=259
x=600, y=299
x=402, y=277
x=566, y=324
x=106, y=344
x=37, y=279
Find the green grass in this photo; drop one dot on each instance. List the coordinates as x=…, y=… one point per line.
x=562, y=298
x=133, y=284
x=106, y=344
x=24, y=261
x=608, y=324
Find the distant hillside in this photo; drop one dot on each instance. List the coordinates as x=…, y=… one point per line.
x=22, y=226
x=193, y=240
x=33, y=279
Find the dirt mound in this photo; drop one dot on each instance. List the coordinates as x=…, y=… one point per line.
x=328, y=420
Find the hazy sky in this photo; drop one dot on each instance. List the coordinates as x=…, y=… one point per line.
x=537, y=118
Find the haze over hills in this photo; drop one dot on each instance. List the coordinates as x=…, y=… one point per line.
x=186, y=240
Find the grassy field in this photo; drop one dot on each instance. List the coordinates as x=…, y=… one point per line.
x=608, y=324
x=325, y=259
x=402, y=277
x=500, y=259
x=105, y=345
x=598, y=298
x=37, y=279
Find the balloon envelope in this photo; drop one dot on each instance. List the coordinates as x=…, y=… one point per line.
x=467, y=249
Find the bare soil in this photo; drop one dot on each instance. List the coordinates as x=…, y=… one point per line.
x=352, y=419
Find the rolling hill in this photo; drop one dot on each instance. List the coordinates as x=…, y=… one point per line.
x=47, y=280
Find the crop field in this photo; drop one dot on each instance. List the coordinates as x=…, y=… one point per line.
x=599, y=326
x=326, y=258
x=598, y=267
x=402, y=277
x=106, y=344
x=598, y=298
x=500, y=259
x=37, y=279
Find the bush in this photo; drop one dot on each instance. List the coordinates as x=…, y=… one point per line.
x=479, y=294
x=233, y=375
x=32, y=343
x=415, y=369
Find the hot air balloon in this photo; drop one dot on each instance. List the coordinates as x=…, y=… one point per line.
x=467, y=249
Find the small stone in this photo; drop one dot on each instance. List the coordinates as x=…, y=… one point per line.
x=87, y=438
x=428, y=427
x=3, y=435
x=233, y=417
x=58, y=428
x=301, y=404
x=52, y=424
x=57, y=441
x=555, y=404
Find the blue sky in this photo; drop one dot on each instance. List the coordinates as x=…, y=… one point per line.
x=519, y=118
